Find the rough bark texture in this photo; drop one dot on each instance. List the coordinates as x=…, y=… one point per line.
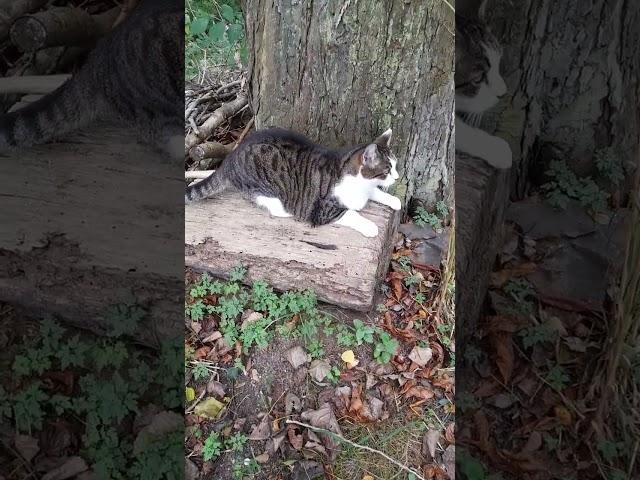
x=344, y=71
x=339, y=264
x=572, y=71
x=71, y=245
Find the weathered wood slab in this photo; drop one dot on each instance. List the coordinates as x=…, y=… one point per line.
x=91, y=223
x=342, y=266
x=481, y=200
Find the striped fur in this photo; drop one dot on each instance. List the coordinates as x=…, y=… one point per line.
x=284, y=165
x=134, y=76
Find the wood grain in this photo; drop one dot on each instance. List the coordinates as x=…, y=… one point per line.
x=339, y=264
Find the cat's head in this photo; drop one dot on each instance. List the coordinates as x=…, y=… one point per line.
x=377, y=162
x=479, y=84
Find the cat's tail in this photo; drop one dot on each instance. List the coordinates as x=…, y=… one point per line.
x=69, y=107
x=207, y=187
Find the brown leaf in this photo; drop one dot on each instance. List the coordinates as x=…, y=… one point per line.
x=503, y=346
x=213, y=337
x=262, y=431
x=297, y=356
x=449, y=433
x=420, y=392
x=295, y=439
x=72, y=467
x=202, y=352
x=26, y=446
x=430, y=443
x=499, y=278
x=356, y=403
x=563, y=415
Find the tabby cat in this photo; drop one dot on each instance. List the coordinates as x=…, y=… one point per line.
x=134, y=76
x=479, y=86
x=291, y=176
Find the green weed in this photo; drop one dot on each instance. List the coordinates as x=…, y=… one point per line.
x=214, y=34
x=565, y=185
x=212, y=447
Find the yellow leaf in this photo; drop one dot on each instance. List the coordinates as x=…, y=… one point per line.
x=367, y=477
x=190, y=394
x=348, y=356
x=209, y=408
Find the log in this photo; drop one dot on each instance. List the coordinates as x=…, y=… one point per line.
x=59, y=26
x=12, y=9
x=86, y=228
x=210, y=150
x=482, y=195
x=36, y=84
x=339, y=264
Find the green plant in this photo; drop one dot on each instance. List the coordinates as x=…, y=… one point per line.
x=420, y=298
x=564, y=185
x=557, y=378
x=334, y=375
x=213, y=35
x=316, y=349
x=236, y=442
x=201, y=371
x=537, y=334
x=405, y=263
x=345, y=337
x=212, y=447
x=412, y=280
x=609, y=165
x=364, y=333
x=422, y=218
x=522, y=293
x=385, y=347
x=610, y=450
x=246, y=469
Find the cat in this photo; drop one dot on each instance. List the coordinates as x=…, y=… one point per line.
x=134, y=76
x=479, y=86
x=291, y=176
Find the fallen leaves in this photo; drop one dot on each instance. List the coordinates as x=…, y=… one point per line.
x=210, y=408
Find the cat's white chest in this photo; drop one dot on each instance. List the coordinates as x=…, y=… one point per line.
x=353, y=192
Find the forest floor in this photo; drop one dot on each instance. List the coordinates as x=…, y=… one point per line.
x=534, y=376
x=280, y=387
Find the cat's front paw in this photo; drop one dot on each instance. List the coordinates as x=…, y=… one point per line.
x=500, y=156
x=395, y=203
x=368, y=228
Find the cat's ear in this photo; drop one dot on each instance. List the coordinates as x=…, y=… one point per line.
x=384, y=140
x=370, y=155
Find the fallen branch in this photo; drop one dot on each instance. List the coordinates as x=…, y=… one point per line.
x=361, y=447
x=197, y=174
x=60, y=26
x=244, y=132
x=210, y=150
x=12, y=9
x=219, y=116
x=32, y=84
x=24, y=101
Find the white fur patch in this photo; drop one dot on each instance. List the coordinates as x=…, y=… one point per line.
x=353, y=219
x=490, y=91
x=274, y=205
x=354, y=192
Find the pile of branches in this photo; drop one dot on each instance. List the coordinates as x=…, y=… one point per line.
x=217, y=117
x=38, y=40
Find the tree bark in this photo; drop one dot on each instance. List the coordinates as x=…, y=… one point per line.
x=571, y=69
x=343, y=72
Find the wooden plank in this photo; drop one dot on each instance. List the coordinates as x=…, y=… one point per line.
x=342, y=266
x=482, y=194
x=90, y=223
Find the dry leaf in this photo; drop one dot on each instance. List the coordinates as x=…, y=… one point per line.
x=209, y=408
x=27, y=446
x=367, y=477
x=430, y=442
x=319, y=369
x=297, y=356
x=291, y=403
x=348, y=356
x=421, y=355
x=262, y=431
x=189, y=394
x=213, y=337
x=563, y=415
x=502, y=344
x=499, y=278
x=202, y=352
x=449, y=433
x=295, y=439
x=161, y=425
x=263, y=458
x=72, y=467
x=215, y=388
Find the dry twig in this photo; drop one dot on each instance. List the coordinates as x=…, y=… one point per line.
x=356, y=445
x=215, y=120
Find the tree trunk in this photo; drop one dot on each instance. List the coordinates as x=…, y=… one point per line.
x=571, y=69
x=343, y=72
